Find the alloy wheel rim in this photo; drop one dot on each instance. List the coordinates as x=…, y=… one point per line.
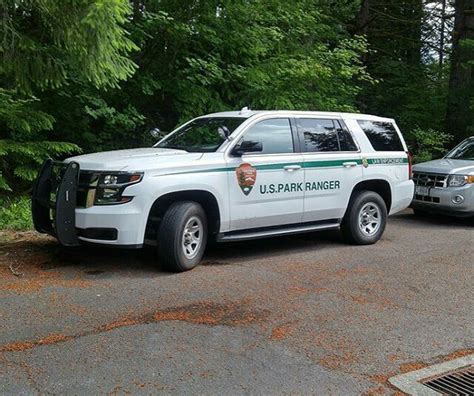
x=192, y=237
x=370, y=218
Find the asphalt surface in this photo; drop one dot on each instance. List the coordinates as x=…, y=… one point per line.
x=305, y=314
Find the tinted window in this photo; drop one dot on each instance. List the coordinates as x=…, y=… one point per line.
x=275, y=136
x=318, y=135
x=346, y=142
x=382, y=135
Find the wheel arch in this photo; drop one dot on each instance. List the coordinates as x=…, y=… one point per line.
x=205, y=198
x=380, y=186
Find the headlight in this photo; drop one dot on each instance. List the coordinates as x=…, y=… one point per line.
x=460, y=180
x=110, y=187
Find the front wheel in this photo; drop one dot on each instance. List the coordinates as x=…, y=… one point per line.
x=365, y=219
x=183, y=236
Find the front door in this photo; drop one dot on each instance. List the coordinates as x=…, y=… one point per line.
x=332, y=164
x=266, y=188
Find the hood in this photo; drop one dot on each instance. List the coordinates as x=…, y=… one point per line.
x=446, y=166
x=133, y=159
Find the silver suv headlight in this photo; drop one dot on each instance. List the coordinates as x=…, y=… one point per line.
x=460, y=180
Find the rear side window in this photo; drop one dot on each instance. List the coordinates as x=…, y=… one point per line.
x=321, y=135
x=382, y=135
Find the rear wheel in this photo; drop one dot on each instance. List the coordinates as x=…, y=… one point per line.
x=183, y=236
x=366, y=218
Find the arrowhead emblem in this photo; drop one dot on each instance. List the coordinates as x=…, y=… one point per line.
x=246, y=177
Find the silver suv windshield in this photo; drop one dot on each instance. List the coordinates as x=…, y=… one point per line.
x=202, y=134
x=465, y=151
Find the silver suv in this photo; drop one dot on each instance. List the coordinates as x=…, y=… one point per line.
x=446, y=185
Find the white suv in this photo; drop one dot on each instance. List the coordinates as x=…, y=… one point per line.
x=231, y=176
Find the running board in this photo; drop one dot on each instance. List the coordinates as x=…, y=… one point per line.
x=235, y=236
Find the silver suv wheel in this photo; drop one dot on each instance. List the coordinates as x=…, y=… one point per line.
x=192, y=237
x=370, y=218
x=365, y=219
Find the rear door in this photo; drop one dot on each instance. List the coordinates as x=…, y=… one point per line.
x=266, y=188
x=332, y=164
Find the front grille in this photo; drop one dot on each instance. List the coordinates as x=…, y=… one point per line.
x=86, y=189
x=459, y=382
x=432, y=180
x=426, y=198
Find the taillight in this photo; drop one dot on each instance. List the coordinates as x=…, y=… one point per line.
x=410, y=165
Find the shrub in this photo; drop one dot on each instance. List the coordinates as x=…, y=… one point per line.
x=15, y=214
x=427, y=144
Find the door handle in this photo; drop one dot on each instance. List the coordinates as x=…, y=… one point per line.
x=292, y=168
x=349, y=164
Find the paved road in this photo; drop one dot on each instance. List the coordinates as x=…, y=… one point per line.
x=300, y=314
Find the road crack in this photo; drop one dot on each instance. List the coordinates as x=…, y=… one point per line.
x=208, y=313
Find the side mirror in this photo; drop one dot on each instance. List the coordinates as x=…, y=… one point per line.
x=223, y=132
x=247, y=146
x=156, y=133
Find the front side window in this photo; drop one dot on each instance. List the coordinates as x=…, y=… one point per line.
x=382, y=135
x=201, y=135
x=318, y=135
x=465, y=151
x=274, y=134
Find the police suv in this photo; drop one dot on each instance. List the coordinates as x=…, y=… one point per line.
x=231, y=176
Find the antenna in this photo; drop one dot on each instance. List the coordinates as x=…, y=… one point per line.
x=244, y=110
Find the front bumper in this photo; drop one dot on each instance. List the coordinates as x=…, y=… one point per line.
x=54, y=212
x=127, y=219
x=440, y=200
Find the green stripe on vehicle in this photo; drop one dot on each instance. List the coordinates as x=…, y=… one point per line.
x=306, y=165
x=330, y=163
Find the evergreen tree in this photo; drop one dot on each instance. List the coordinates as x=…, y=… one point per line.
x=46, y=45
x=460, y=115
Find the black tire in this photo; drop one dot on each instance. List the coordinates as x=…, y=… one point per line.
x=351, y=230
x=170, y=236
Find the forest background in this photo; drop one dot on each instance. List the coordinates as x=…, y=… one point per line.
x=80, y=76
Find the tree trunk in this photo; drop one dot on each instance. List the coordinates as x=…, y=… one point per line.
x=442, y=34
x=414, y=13
x=362, y=28
x=460, y=113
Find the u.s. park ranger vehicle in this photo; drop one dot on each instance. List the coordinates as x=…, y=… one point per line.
x=231, y=176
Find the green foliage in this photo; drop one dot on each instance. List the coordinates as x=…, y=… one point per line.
x=99, y=73
x=22, y=159
x=412, y=87
x=197, y=58
x=48, y=42
x=47, y=48
x=15, y=214
x=19, y=155
x=427, y=144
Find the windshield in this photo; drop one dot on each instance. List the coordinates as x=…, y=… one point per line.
x=465, y=151
x=201, y=135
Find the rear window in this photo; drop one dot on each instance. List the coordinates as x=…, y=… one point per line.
x=382, y=135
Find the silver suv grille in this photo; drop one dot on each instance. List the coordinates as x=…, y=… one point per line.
x=432, y=180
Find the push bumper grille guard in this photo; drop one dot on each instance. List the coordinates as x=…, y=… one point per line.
x=53, y=202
